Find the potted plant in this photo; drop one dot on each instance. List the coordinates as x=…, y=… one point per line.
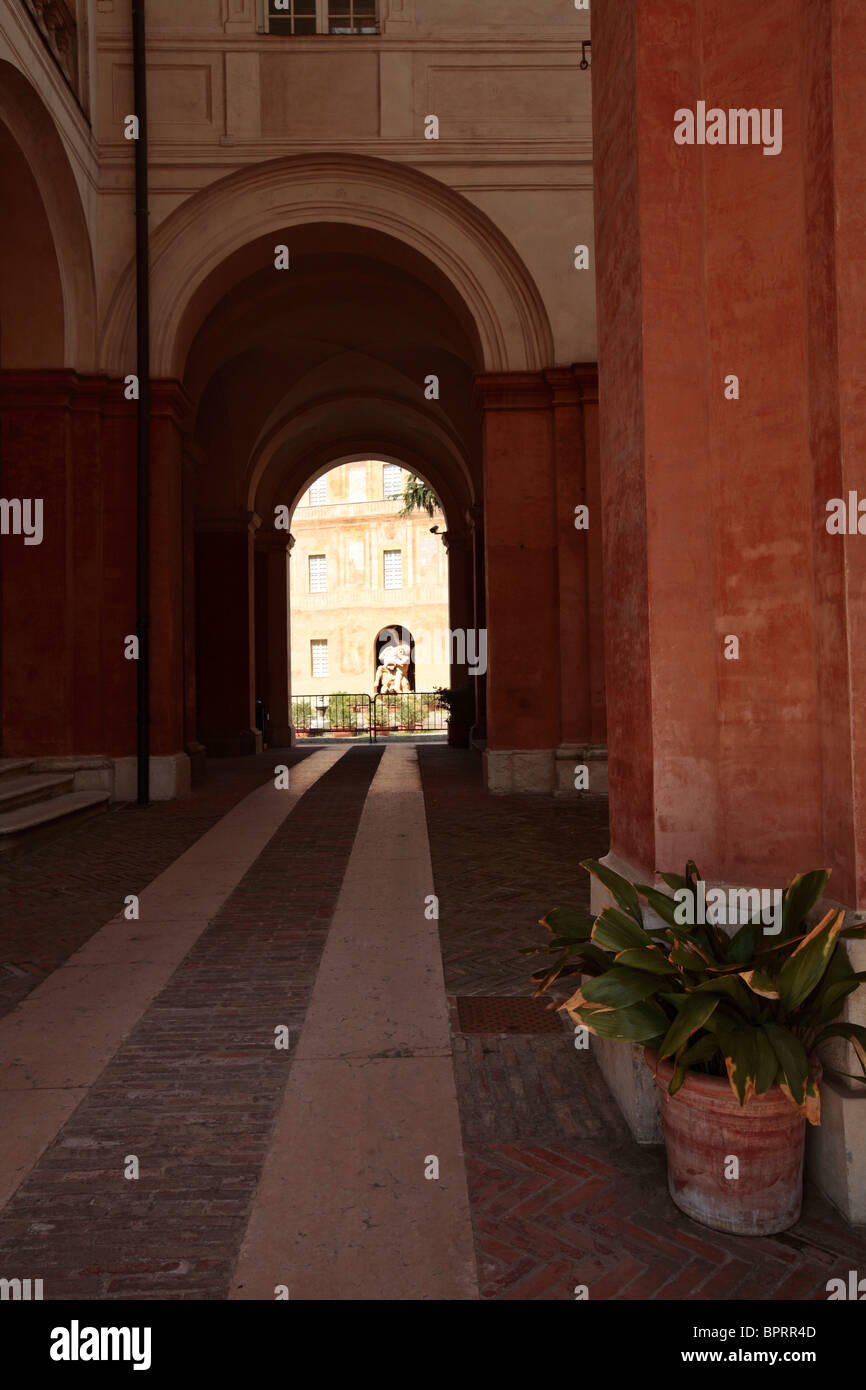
x=459, y=701
x=731, y=1026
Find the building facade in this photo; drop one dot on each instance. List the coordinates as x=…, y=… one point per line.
x=360, y=571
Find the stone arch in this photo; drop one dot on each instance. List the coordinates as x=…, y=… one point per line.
x=193, y=250
x=33, y=132
x=442, y=463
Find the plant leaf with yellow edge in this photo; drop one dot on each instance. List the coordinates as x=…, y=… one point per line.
x=810, y=1107
x=805, y=966
x=759, y=982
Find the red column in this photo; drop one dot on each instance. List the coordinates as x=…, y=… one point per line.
x=572, y=556
x=842, y=198
x=225, y=632
x=711, y=265
x=167, y=570
x=37, y=611
x=274, y=662
x=520, y=527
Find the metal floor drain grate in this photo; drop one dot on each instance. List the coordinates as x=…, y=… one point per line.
x=478, y=1014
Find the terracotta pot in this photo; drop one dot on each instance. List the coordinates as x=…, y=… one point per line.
x=705, y=1127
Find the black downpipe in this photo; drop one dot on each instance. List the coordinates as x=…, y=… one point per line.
x=142, y=288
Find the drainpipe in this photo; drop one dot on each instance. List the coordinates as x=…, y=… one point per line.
x=142, y=289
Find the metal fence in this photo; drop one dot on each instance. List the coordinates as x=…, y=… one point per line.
x=367, y=716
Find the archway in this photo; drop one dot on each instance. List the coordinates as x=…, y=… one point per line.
x=291, y=377
x=46, y=329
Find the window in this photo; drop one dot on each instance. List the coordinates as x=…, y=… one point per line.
x=393, y=569
x=322, y=17
x=352, y=17
x=318, y=574
x=319, y=492
x=319, y=658
x=392, y=480
x=292, y=16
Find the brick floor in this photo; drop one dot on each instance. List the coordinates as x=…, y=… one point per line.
x=194, y=1089
x=500, y=863
x=56, y=893
x=561, y=1195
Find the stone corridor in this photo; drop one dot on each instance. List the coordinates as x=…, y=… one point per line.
x=304, y=917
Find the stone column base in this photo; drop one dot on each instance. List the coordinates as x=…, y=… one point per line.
x=197, y=755
x=519, y=772
x=90, y=774
x=570, y=757
x=170, y=778
x=283, y=737
x=836, y=1149
x=234, y=743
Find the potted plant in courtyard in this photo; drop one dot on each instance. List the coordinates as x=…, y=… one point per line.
x=731, y=1026
x=459, y=701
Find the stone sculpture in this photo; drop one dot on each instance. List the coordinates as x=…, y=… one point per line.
x=392, y=676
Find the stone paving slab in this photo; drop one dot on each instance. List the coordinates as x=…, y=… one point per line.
x=345, y=1209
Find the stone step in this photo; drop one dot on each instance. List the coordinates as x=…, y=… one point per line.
x=14, y=767
x=28, y=821
x=25, y=791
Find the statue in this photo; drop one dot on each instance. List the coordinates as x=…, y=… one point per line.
x=392, y=676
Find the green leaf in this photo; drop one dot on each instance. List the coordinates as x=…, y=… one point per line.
x=647, y=958
x=622, y=891
x=732, y=987
x=760, y=982
x=792, y=1059
x=768, y=1064
x=800, y=897
x=692, y=1015
x=826, y=1003
x=569, y=921
x=743, y=943
x=617, y=931
x=804, y=968
x=741, y=1061
x=638, y=1023
x=674, y=881
x=660, y=903
x=619, y=987
x=688, y=956
x=854, y=1033
x=701, y=1051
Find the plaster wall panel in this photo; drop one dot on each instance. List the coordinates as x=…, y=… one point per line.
x=320, y=94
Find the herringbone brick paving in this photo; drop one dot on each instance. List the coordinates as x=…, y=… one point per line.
x=194, y=1090
x=54, y=894
x=504, y=861
x=561, y=1196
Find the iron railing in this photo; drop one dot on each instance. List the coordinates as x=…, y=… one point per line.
x=370, y=716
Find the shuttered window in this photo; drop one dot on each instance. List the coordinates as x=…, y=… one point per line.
x=393, y=569
x=319, y=658
x=318, y=574
x=392, y=480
